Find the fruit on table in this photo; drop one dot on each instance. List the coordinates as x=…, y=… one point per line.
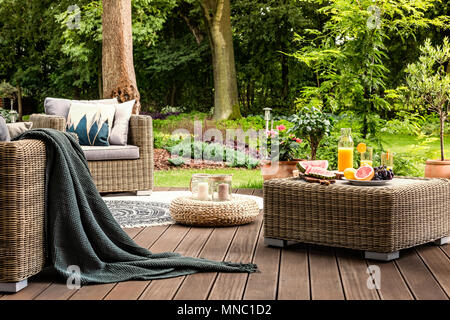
x=303, y=166
x=365, y=173
x=350, y=173
x=361, y=148
x=320, y=173
x=382, y=173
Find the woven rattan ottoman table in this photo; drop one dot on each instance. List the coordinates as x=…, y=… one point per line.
x=380, y=220
x=239, y=210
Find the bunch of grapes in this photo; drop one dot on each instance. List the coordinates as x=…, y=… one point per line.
x=382, y=173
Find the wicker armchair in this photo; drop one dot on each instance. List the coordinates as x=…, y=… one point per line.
x=22, y=193
x=118, y=175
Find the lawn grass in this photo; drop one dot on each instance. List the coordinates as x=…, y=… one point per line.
x=242, y=178
x=413, y=146
x=428, y=147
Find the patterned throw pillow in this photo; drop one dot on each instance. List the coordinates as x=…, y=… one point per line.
x=91, y=122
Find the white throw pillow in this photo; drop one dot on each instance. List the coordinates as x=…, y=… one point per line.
x=119, y=132
x=91, y=122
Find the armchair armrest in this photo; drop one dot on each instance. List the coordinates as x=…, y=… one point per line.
x=22, y=190
x=140, y=133
x=48, y=121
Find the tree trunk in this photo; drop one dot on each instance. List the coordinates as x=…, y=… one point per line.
x=442, y=122
x=119, y=78
x=19, y=102
x=99, y=79
x=218, y=21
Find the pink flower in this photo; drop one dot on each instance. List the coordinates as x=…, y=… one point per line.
x=271, y=133
x=298, y=140
x=281, y=127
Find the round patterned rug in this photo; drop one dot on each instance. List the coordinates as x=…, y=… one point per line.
x=132, y=214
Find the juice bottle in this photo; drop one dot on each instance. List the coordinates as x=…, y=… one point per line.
x=345, y=150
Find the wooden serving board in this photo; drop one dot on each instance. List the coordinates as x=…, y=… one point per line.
x=316, y=180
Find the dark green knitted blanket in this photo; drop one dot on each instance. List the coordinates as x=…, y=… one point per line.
x=81, y=231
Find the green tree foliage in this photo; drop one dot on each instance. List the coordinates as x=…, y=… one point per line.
x=348, y=56
x=264, y=33
x=428, y=82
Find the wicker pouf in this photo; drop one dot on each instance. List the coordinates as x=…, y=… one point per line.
x=240, y=210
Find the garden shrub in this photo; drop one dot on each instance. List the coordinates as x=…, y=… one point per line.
x=214, y=152
x=164, y=140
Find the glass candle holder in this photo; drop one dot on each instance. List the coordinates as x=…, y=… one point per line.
x=221, y=187
x=367, y=157
x=201, y=187
x=387, y=159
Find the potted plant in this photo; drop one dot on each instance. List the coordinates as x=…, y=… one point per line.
x=8, y=91
x=282, y=147
x=429, y=84
x=312, y=125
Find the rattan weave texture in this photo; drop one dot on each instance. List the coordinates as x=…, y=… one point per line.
x=406, y=213
x=118, y=175
x=22, y=179
x=238, y=211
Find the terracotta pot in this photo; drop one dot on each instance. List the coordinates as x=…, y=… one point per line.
x=285, y=169
x=437, y=169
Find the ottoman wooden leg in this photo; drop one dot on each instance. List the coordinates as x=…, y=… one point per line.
x=13, y=287
x=270, y=242
x=382, y=256
x=442, y=241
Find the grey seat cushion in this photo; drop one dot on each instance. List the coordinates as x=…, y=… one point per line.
x=94, y=153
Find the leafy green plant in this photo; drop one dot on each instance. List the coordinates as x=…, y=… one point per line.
x=348, y=55
x=163, y=140
x=5, y=114
x=287, y=144
x=177, y=161
x=213, y=152
x=429, y=82
x=312, y=125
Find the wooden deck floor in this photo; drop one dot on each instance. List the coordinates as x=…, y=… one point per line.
x=297, y=272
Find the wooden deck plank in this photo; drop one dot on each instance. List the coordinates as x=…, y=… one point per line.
x=263, y=285
x=393, y=286
x=353, y=270
x=438, y=263
x=446, y=249
x=145, y=238
x=190, y=247
x=34, y=288
x=60, y=291
x=230, y=286
x=421, y=273
x=197, y=286
x=168, y=241
x=419, y=279
x=294, y=273
x=324, y=272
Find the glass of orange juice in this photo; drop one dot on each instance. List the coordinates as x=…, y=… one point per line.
x=367, y=157
x=345, y=150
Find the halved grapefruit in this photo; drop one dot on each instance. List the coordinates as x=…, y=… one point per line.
x=365, y=173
